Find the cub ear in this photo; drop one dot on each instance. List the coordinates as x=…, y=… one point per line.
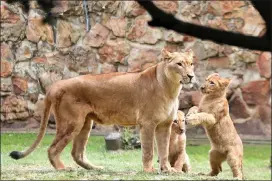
x=190, y=53
x=213, y=75
x=166, y=56
x=225, y=82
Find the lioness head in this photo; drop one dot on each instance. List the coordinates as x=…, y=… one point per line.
x=179, y=66
x=215, y=84
x=178, y=125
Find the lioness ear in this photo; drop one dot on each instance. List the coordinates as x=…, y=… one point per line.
x=166, y=56
x=190, y=53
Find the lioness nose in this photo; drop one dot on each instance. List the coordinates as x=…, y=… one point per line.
x=190, y=76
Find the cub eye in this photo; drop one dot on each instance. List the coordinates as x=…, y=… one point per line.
x=183, y=120
x=179, y=64
x=192, y=64
x=175, y=121
x=212, y=83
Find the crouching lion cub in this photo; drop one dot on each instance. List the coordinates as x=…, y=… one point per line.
x=213, y=114
x=178, y=157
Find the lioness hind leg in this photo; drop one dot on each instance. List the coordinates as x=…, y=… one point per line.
x=64, y=135
x=79, y=146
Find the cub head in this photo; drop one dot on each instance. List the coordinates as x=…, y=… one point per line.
x=178, y=125
x=215, y=85
x=179, y=66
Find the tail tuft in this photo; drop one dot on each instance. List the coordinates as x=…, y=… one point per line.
x=16, y=155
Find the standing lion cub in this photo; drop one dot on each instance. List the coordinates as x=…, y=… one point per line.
x=178, y=157
x=213, y=114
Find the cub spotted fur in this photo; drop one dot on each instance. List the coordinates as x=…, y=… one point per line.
x=148, y=99
x=178, y=157
x=213, y=114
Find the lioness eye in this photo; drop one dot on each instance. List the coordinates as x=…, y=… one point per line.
x=192, y=64
x=175, y=121
x=183, y=120
x=179, y=64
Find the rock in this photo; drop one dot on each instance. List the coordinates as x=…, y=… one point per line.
x=133, y=9
x=205, y=49
x=122, y=68
x=7, y=59
x=97, y=36
x=173, y=47
x=14, y=107
x=83, y=60
x=168, y=6
x=220, y=8
x=12, y=24
x=114, y=51
x=256, y=92
x=254, y=24
x=250, y=75
x=238, y=107
x=25, y=51
x=118, y=26
x=142, y=33
x=19, y=85
x=36, y=30
x=196, y=97
x=67, y=8
x=218, y=62
x=188, y=99
x=21, y=69
x=185, y=100
x=6, y=68
x=7, y=15
x=173, y=37
x=138, y=57
x=264, y=64
x=68, y=32
x=48, y=78
x=108, y=68
x=265, y=114
x=44, y=48
x=104, y=6
x=250, y=127
x=6, y=86
x=6, y=52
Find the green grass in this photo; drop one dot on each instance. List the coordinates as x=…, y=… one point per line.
x=125, y=165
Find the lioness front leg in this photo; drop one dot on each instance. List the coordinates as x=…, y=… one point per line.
x=163, y=132
x=200, y=118
x=147, y=133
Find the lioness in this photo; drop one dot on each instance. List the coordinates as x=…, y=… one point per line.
x=148, y=99
x=213, y=114
x=178, y=157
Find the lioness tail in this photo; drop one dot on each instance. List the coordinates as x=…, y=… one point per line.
x=17, y=154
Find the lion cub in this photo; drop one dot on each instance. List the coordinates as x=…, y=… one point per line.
x=213, y=114
x=178, y=157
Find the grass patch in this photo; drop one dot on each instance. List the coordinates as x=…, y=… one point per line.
x=125, y=165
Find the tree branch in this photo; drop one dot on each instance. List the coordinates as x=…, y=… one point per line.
x=162, y=19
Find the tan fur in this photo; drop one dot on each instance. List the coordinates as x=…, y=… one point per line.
x=213, y=114
x=148, y=99
x=178, y=157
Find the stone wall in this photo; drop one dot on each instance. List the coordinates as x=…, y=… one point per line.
x=34, y=55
